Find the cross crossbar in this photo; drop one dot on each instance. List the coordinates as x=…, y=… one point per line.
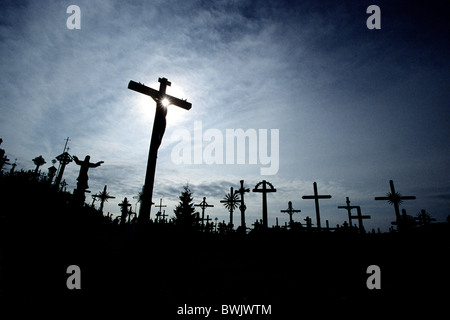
x=156, y=95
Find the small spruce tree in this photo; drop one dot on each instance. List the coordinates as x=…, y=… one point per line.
x=185, y=214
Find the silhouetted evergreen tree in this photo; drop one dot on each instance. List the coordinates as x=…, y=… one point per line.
x=185, y=214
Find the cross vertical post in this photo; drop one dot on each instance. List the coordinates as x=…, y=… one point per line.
x=316, y=198
x=159, y=126
x=242, y=206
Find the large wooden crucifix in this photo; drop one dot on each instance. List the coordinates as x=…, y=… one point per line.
x=159, y=126
x=203, y=205
x=395, y=198
x=242, y=205
x=266, y=188
x=316, y=198
x=290, y=211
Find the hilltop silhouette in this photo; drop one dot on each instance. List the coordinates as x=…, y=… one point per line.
x=161, y=265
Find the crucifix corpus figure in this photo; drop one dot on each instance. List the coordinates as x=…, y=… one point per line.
x=82, y=184
x=159, y=126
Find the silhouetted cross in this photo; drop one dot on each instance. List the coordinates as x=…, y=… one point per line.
x=203, y=205
x=349, y=210
x=64, y=159
x=264, y=192
x=160, y=206
x=230, y=202
x=208, y=225
x=395, y=198
x=316, y=198
x=242, y=206
x=360, y=218
x=124, y=209
x=164, y=215
x=159, y=126
x=103, y=196
x=290, y=211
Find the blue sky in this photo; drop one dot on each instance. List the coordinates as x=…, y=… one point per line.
x=354, y=107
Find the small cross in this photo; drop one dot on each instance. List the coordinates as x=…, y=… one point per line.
x=290, y=211
x=124, y=208
x=349, y=209
x=230, y=202
x=160, y=206
x=103, y=196
x=242, y=206
x=395, y=198
x=316, y=198
x=424, y=218
x=360, y=219
x=159, y=126
x=203, y=205
x=266, y=188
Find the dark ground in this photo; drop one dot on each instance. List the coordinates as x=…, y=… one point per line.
x=155, y=269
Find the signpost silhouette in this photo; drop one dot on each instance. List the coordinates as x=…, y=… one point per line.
x=159, y=126
x=316, y=198
x=266, y=188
